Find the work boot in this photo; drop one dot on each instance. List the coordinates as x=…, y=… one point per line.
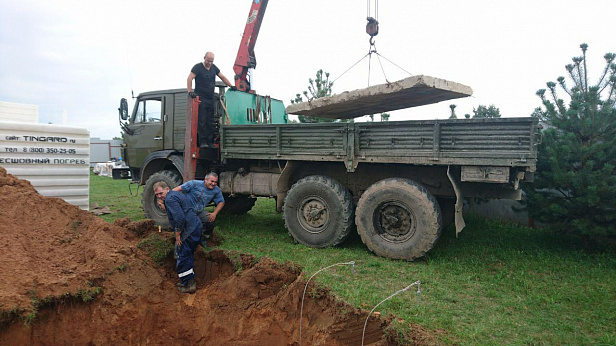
x=189, y=287
x=204, y=238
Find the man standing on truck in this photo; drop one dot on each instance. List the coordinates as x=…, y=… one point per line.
x=187, y=228
x=200, y=194
x=204, y=75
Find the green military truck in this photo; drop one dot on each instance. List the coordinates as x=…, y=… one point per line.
x=397, y=183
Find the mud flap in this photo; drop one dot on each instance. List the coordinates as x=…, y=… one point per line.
x=458, y=217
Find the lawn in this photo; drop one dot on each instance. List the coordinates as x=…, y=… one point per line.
x=496, y=284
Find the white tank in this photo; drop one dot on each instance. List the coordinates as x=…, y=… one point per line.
x=18, y=112
x=55, y=159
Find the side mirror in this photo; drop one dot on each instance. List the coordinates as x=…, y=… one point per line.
x=123, y=109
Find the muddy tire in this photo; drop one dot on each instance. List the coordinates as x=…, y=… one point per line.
x=148, y=199
x=238, y=204
x=318, y=212
x=398, y=218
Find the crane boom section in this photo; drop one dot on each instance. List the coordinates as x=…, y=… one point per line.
x=245, y=56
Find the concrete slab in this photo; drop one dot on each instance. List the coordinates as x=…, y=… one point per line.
x=410, y=92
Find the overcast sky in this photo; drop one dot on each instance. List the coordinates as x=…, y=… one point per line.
x=81, y=57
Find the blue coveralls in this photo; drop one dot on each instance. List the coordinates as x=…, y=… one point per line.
x=182, y=216
x=201, y=196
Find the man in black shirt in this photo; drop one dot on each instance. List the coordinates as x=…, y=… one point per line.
x=204, y=75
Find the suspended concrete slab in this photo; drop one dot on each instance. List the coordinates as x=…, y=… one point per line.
x=410, y=92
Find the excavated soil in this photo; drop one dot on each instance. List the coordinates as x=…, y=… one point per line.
x=69, y=277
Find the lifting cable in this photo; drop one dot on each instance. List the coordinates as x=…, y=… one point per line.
x=372, y=29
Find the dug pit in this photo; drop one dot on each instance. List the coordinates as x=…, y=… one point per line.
x=69, y=277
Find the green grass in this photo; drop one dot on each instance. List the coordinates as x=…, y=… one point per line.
x=496, y=284
x=157, y=247
x=115, y=194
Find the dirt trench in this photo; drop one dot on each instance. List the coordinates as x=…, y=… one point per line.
x=258, y=305
x=68, y=277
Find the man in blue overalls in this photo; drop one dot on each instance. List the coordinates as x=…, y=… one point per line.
x=201, y=193
x=187, y=228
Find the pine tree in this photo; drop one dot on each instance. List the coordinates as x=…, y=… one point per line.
x=319, y=87
x=575, y=183
x=486, y=112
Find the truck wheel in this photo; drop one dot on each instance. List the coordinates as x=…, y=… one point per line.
x=398, y=218
x=148, y=199
x=238, y=205
x=318, y=212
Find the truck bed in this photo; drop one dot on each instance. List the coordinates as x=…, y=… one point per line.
x=508, y=142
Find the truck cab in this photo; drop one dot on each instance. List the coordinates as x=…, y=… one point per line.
x=156, y=126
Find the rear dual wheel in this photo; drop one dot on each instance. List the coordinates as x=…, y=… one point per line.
x=398, y=218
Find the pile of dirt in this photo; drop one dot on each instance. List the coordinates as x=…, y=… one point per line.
x=75, y=279
x=51, y=248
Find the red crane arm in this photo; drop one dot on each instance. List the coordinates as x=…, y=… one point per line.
x=246, y=56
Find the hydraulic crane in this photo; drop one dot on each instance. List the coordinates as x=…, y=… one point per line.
x=245, y=59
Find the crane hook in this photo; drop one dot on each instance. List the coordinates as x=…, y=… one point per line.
x=372, y=29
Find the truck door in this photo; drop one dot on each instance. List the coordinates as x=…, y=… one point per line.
x=146, y=130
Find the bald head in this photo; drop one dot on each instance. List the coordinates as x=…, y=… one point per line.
x=208, y=60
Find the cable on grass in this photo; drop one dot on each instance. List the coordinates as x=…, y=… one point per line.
x=418, y=283
x=130, y=191
x=352, y=264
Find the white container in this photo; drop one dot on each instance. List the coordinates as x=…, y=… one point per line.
x=18, y=112
x=55, y=159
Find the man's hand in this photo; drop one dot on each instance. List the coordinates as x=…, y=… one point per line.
x=192, y=94
x=234, y=88
x=161, y=204
x=178, y=239
x=211, y=217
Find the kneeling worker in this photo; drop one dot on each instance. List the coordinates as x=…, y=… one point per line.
x=187, y=228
